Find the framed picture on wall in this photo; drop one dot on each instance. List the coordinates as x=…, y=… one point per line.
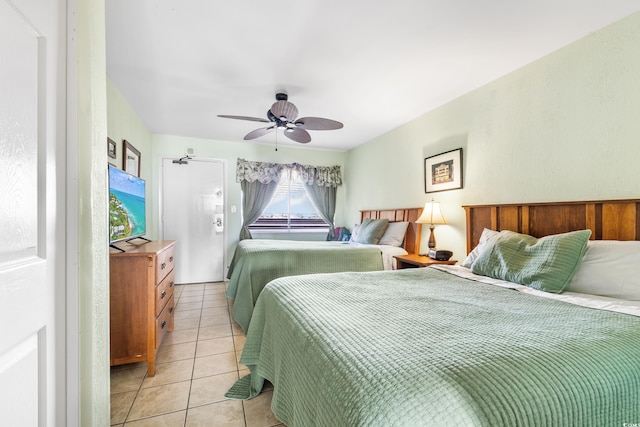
x=130, y=159
x=443, y=171
x=111, y=148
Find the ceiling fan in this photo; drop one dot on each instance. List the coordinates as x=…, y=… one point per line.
x=283, y=114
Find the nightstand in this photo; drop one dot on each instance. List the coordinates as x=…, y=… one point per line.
x=419, y=261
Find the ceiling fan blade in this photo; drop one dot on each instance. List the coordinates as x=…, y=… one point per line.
x=258, y=133
x=253, y=119
x=298, y=135
x=318, y=123
x=284, y=109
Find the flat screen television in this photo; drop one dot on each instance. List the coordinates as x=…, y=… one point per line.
x=127, y=207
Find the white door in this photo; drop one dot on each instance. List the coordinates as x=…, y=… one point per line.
x=193, y=195
x=31, y=55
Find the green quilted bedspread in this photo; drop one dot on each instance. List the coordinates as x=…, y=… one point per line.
x=423, y=347
x=256, y=262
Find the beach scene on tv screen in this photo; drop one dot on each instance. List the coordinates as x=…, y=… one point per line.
x=126, y=206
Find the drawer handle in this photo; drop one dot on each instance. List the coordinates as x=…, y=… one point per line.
x=171, y=284
x=163, y=294
x=163, y=324
x=163, y=265
x=171, y=259
x=170, y=309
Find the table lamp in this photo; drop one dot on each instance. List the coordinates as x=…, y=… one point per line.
x=431, y=215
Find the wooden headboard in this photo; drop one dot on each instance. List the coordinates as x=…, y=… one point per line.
x=607, y=219
x=414, y=231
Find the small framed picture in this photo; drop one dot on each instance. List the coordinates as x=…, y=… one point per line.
x=130, y=159
x=443, y=172
x=111, y=148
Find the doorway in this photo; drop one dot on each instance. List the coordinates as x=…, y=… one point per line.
x=192, y=213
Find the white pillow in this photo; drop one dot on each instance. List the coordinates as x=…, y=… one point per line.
x=609, y=268
x=354, y=233
x=482, y=245
x=394, y=234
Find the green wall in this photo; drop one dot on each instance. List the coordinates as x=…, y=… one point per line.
x=124, y=124
x=562, y=128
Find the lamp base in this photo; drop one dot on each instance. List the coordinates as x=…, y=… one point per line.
x=432, y=238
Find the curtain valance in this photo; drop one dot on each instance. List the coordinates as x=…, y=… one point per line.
x=264, y=172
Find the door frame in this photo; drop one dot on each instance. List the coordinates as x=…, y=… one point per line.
x=225, y=201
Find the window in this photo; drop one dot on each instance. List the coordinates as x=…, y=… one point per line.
x=290, y=208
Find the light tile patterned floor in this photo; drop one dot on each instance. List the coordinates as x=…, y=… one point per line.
x=195, y=366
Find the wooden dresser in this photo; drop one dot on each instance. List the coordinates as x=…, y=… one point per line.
x=142, y=304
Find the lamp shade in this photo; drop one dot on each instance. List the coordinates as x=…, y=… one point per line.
x=431, y=214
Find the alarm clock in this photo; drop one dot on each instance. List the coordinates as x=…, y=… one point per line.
x=440, y=255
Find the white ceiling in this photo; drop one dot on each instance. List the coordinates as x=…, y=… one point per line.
x=372, y=65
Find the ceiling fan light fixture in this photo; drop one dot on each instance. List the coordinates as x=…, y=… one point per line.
x=283, y=115
x=285, y=110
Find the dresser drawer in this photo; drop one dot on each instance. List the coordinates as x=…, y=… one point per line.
x=164, y=322
x=164, y=291
x=165, y=263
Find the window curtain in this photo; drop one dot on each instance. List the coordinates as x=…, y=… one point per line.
x=255, y=198
x=324, y=200
x=321, y=184
x=259, y=181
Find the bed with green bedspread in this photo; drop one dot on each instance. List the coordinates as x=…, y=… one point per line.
x=256, y=262
x=424, y=347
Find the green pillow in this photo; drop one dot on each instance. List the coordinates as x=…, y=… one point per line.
x=546, y=264
x=371, y=231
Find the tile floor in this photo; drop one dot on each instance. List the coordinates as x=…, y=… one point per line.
x=195, y=366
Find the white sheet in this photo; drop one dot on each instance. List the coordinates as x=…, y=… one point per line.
x=388, y=252
x=585, y=300
x=388, y=261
